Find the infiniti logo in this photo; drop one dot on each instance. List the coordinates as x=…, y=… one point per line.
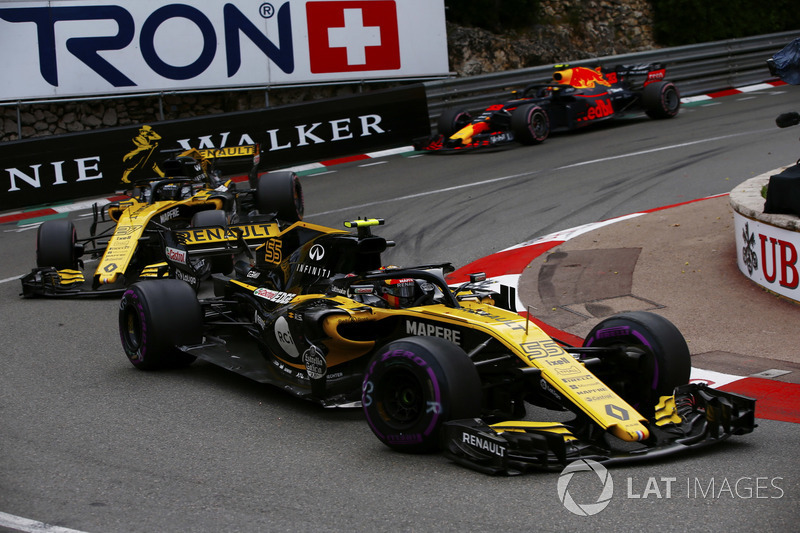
x=317, y=252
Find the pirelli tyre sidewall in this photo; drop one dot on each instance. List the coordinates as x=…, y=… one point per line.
x=530, y=124
x=155, y=317
x=280, y=193
x=55, y=244
x=413, y=386
x=662, y=358
x=661, y=100
x=452, y=120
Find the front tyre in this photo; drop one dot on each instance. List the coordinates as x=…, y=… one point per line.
x=661, y=100
x=452, y=120
x=413, y=386
x=155, y=317
x=280, y=193
x=55, y=245
x=530, y=124
x=653, y=358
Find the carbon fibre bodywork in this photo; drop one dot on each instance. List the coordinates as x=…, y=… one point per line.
x=313, y=311
x=131, y=246
x=575, y=98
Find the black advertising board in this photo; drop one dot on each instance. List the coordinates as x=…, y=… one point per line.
x=64, y=167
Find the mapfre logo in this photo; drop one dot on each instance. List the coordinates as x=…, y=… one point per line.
x=353, y=35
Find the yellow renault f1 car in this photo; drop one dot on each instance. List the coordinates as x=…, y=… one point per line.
x=193, y=194
x=313, y=311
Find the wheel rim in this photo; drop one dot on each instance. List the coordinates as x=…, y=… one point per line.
x=642, y=382
x=403, y=399
x=132, y=332
x=538, y=125
x=671, y=99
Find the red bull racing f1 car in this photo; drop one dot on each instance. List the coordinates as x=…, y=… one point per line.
x=193, y=194
x=575, y=97
x=313, y=311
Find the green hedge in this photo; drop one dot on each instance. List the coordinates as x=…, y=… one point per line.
x=679, y=22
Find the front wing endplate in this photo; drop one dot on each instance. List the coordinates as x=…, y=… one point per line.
x=695, y=416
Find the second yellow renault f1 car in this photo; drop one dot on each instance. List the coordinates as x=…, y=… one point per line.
x=313, y=311
x=193, y=194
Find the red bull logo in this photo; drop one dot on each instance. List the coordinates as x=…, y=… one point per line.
x=581, y=77
x=601, y=109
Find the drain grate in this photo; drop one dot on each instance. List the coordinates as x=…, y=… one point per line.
x=771, y=373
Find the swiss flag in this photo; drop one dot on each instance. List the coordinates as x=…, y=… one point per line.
x=353, y=35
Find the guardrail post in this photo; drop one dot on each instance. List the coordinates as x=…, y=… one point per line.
x=19, y=119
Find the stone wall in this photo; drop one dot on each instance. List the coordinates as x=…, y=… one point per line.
x=568, y=30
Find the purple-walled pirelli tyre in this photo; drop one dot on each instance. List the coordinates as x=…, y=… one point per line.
x=657, y=360
x=414, y=385
x=157, y=316
x=530, y=124
x=452, y=120
x=55, y=244
x=661, y=100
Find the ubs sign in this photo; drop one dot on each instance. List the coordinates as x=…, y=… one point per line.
x=71, y=47
x=769, y=256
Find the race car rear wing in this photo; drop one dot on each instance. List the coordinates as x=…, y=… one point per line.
x=181, y=245
x=231, y=160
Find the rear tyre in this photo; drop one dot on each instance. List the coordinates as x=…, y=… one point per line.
x=656, y=357
x=282, y=194
x=413, y=386
x=55, y=245
x=530, y=124
x=661, y=100
x=452, y=120
x=221, y=264
x=155, y=317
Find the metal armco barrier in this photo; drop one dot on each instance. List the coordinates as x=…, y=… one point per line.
x=694, y=69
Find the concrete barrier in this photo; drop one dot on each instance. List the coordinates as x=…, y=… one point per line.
x=766, y=244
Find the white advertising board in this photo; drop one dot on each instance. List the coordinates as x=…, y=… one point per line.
x=63, y=48
x=768, y=255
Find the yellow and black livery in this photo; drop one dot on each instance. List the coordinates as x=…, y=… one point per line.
x=315, y=311
x=193, y=195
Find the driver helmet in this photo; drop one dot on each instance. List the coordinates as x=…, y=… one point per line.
x=185, y=166
x=398, y=293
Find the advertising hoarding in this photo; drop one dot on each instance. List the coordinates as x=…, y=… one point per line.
x=63, y=167
x=71, y=48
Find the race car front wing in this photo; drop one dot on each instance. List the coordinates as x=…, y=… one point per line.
x=695, y=416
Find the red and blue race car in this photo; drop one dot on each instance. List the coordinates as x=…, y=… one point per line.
x=574, y=98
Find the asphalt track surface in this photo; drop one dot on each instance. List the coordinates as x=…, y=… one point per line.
x=88, y=443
